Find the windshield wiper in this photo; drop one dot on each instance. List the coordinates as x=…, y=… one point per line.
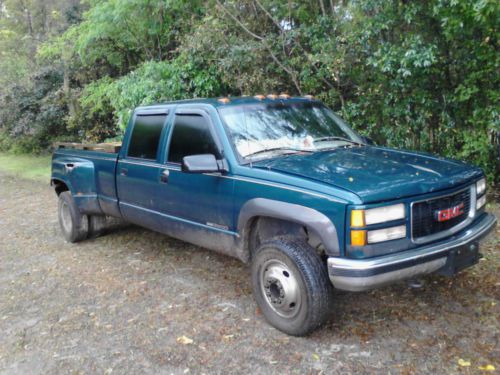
x=278, y=149
x=326, y=139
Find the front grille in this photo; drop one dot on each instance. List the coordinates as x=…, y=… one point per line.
x=424, y=221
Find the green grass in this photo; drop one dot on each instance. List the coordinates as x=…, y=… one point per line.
x=26, y=166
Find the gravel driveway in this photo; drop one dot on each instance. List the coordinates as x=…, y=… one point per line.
x=134, y=302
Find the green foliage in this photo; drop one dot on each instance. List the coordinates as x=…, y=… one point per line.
x=410, y=74
x=151, y=82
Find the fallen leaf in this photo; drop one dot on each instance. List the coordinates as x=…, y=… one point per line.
x=463, y=362
x=315, y=357
x=487, y=368
x=184, y=340
x=227, y=337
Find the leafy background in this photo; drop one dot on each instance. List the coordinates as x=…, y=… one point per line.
x=420, y=75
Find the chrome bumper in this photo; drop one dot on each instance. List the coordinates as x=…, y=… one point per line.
x=365, y=274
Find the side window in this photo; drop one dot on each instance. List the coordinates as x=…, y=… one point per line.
x=146, y=136
x=191, y=136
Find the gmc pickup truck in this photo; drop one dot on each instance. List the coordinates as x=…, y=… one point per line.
x=285, y=185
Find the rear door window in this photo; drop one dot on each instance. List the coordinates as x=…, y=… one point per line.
x=146, y=135
x=191, y=136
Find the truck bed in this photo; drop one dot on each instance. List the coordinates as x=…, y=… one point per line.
x=89, y=171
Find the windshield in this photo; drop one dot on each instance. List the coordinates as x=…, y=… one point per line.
x=263, y=129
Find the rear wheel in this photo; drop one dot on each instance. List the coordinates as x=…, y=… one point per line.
x=74, y=225
x=291, y=285
x=97, y=225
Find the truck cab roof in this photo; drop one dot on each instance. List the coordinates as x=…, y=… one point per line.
x=230, y=101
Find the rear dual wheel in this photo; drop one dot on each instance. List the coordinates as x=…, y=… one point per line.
x=291, y=285
x=76, y=226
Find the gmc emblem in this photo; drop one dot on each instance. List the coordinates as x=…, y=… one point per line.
x=449, y=213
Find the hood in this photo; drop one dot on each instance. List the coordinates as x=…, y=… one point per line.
x=374, y=173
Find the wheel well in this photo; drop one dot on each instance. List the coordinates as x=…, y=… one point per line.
x=263, y=228
x=59, y=186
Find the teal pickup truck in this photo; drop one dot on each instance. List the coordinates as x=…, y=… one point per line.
x=283, y=184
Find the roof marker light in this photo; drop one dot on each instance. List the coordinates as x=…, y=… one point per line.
x=224, y=100
x=284, y=96
x=259, y=97
x=310, y=97
x=272, y=96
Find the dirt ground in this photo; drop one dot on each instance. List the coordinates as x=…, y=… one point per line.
x=137, y=302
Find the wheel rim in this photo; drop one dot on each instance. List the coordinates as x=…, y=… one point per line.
x=66, y=217
x=280, y=288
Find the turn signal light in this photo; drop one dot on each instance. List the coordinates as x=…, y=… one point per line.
x=357, y=218
x=358, y=237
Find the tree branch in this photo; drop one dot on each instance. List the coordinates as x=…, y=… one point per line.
x=289, y=71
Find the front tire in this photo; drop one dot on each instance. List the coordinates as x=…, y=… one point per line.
x=74, y=225
x=291, y=285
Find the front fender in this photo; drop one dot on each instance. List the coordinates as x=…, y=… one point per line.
x=313, y=220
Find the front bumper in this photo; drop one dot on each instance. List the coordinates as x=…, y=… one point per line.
x=365, y=274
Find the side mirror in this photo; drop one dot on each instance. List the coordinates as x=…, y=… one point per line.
x=368, y=140
x=203, y=163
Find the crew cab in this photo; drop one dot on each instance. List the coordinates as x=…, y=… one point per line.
x=284, y=184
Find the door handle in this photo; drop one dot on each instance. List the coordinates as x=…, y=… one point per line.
x=69, y=167
x=164, y=176
x=123, y=171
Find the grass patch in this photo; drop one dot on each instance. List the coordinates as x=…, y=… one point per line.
x=32, y=167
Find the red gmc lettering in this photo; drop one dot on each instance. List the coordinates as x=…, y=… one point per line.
x=450, y=213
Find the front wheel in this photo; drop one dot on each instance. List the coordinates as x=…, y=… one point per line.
x=291, y=285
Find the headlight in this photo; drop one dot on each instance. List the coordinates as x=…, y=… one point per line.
x=481, y=186
x=480, y=202
x=360, y=218
x=386, y=234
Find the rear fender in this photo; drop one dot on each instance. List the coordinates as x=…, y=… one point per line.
x=79, y=176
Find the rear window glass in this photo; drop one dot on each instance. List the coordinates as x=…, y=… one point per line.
x=146, y=136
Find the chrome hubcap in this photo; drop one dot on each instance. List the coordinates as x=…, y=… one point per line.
x=66, y=217
x=280, y=288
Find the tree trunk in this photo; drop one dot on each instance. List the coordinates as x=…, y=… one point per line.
x=322, y=5
x=67, y=90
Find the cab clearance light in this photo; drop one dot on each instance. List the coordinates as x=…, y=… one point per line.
x=358, y=238
x=284, y=96
x=310, y=97
x=480, y=202
x=386, y=234
x=481, y=186
x=259, y=97
x=272, y=96
x=224, y=100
